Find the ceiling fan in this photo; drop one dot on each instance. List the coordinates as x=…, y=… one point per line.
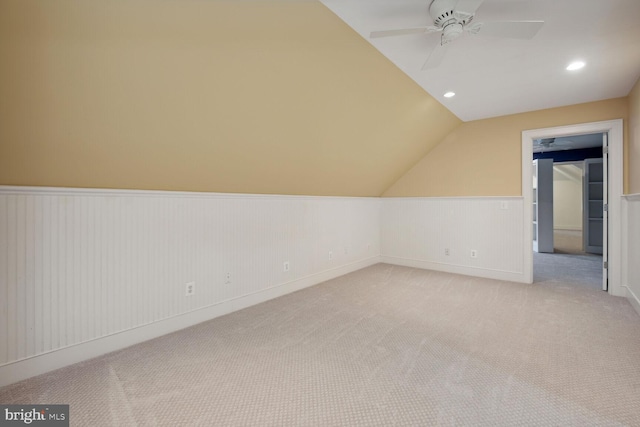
x=452, y=18
x=545, y=142
x=552, y=144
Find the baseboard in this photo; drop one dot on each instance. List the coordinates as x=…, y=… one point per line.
x=510, y=276
x=43, y=363
x=567, y=228
x=633, y=299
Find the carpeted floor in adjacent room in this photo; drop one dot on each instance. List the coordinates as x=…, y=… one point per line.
x=569, y=265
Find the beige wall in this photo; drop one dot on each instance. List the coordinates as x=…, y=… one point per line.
x=634, y=140
x=567, y=196
x=483, y=157
x=249, y=97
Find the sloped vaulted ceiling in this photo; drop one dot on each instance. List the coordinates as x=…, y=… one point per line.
x=250, y=97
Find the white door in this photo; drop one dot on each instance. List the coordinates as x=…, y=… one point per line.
x=605, y=211
x=595, y=223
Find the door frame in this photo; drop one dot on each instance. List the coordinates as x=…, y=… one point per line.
x=615, y=131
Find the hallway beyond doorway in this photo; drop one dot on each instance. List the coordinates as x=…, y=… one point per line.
x=569, y=265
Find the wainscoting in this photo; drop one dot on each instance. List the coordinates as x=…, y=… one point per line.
x=84, y=272
x=417, y=231
x=87, y=272
x=631, y=248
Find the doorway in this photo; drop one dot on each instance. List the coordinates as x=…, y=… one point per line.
x=573, y=256
x=614, y=131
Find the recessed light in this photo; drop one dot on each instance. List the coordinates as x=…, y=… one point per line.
x=449, y=94
x=575, y=65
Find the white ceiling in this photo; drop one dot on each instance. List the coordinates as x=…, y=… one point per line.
x=493, y=76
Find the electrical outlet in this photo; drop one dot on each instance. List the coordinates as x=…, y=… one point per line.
x=330, y=255
x=346, y=250
x=227, y=279
x=190, y=289
x=285, y=266
x=474, y=253
x=446, y=251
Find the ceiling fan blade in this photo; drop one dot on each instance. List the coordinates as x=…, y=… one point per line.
x=508, y=29
x=435, y=57
x=468, y=6
x=403, y=32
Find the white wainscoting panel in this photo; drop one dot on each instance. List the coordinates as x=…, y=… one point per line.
x=80, y=265
x=631, y=249
x=416, y=232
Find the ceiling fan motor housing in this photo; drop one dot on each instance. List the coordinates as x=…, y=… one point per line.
x=442, y=11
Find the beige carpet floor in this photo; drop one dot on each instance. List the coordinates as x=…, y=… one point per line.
x=383, y=346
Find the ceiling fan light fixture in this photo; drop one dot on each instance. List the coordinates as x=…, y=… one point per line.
x=451, y=32
x=449, y=94
x=576, y=65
